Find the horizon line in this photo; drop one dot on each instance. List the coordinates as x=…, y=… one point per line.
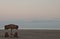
x=38, y=28
x=41, y=28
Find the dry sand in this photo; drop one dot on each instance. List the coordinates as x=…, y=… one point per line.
x=34, y=34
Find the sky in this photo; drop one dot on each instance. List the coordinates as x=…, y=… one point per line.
x=28, y=10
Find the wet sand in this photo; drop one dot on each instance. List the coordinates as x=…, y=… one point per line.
x=34, y=34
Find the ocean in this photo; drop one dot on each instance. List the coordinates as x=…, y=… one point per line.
x=41, y=25
x=47, y=24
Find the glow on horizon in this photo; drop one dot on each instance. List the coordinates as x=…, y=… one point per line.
x=37, y=28
x=40, y=28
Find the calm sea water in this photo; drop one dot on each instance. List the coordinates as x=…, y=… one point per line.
x=34, y=24
x=49, y=24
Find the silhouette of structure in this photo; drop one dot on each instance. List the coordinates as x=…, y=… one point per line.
x=11, y=27
x=16, y=34
x=6, y=34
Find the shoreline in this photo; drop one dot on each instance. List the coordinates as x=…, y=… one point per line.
x=37, y=29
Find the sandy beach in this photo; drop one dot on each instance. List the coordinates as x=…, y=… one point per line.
x=34, y=34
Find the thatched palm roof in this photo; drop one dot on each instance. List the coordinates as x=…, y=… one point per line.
x=11, y=26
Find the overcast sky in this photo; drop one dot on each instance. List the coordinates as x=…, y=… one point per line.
x=29, y=9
